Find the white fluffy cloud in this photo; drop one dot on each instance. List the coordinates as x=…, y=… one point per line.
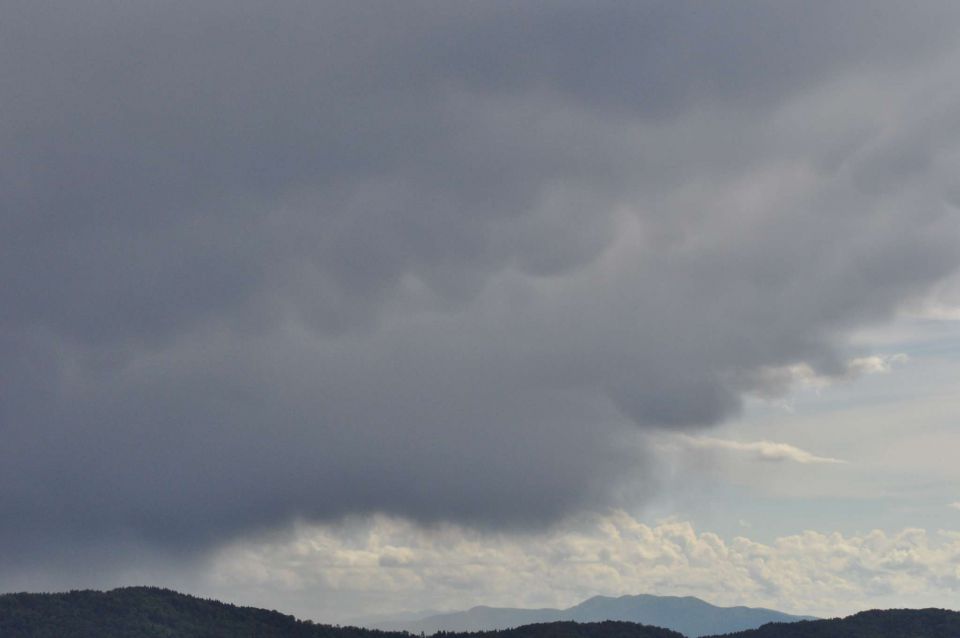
x=775, y=381
x=397, y=566
x=759, y=450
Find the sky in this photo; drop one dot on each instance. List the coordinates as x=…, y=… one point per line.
x=361, y=308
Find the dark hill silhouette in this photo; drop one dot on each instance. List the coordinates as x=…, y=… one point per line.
x=144, y=612
x=890, y=623
x=150, y=612
x=570, y=629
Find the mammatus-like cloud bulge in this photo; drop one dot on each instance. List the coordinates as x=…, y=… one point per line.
x=308, y=259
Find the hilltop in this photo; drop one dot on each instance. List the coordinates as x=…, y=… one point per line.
x=150, y=612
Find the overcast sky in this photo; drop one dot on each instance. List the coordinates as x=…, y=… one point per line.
x=349, y=308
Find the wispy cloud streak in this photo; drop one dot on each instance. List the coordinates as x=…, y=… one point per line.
x=759, y=450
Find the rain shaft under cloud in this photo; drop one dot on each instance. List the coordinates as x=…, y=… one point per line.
x=267, y=261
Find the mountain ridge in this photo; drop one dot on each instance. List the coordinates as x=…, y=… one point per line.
x=688, y=615
x=153, y=612
x=930, y=622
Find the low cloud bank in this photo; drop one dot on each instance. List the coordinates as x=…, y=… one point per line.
x=393, y=565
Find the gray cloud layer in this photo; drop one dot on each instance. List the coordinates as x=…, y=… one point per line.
x=263, y=261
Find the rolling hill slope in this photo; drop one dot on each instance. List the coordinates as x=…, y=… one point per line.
x=890, y=623
x=149, y=612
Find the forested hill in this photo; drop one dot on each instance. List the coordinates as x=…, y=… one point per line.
x=890, y=623
x=149, y=612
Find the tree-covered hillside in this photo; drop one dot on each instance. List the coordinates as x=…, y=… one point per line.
x=570, y=629
x=890, y=623
x=149, y=612
x=146, y=612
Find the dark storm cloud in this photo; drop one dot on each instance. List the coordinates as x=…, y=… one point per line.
x=303, y=259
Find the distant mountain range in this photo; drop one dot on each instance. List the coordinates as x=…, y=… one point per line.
x=688, y=615
x=150, y=612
